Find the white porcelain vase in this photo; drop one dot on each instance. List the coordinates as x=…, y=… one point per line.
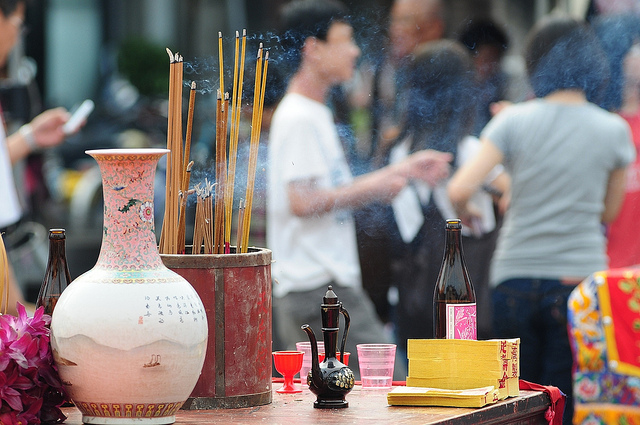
x=129, y=336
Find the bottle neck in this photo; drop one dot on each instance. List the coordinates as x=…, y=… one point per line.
x=57, y=276
x=57, y=246
x=57, y=250
x=453, y=245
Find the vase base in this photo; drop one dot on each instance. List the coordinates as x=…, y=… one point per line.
x=101, y=420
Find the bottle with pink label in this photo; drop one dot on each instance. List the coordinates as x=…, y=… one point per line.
x=454, y=299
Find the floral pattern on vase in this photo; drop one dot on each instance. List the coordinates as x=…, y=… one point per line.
x=129, y=336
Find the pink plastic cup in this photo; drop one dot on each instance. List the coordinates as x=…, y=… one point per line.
x=305, y=347
x=376, y=363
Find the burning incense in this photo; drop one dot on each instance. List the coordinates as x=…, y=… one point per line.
x=176, y=154
x=186, y=173
x=203, y=223
x=213, y=223
x=221, y=149
x=187, y=146
x=236, y=106
x=169, y=234
x=221, y=171
x=258, y=104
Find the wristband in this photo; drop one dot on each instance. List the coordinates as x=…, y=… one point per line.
x=27, y=133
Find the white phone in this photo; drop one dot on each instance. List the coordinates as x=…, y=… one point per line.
x=78, y=117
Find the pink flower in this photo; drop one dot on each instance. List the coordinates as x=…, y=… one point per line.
x=9, y=417
x=10, y=382
x=146, y=211
x=30, y=388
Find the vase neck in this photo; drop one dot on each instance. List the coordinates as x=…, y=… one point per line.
x=128, y=236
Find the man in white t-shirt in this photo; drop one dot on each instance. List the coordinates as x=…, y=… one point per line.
x=310, y=190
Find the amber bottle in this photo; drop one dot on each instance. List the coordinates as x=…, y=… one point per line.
x=454, y=299
x=56, y=277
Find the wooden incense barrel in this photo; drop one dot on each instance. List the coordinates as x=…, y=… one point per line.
x=236, y=292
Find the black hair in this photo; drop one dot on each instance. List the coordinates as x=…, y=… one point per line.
x=7, y=7
x=617, y=34
x=302, y=19
x=563, y=53
x=482, y=32
x=441, y=101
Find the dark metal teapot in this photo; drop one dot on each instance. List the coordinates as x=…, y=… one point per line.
x=330, y=380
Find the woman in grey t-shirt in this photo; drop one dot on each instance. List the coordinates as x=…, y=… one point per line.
x=567, y=160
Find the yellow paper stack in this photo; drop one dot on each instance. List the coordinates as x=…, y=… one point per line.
x=414, y=396
x=458, y=372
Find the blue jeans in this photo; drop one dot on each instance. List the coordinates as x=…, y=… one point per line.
x=535, y=310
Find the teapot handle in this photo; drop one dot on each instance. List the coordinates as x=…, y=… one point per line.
x=347, y=323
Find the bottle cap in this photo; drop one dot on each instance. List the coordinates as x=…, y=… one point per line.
x=56, y=233
x=454, y=224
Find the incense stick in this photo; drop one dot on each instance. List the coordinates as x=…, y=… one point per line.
x=228, y=198
x=221, y=171
x=212, y=229
x=254, y=117
x=240, y=229
x=164, y=231
x=218, y=156
x=224, y=244
x=208, y=218
x=198, y=233
x=258, y=104
x=186, y=172
x=170, y=227
x=175, y=161
x=184, y=194
x=236, y=108
x=177, y=156
x=221, y=61
x=187, y=145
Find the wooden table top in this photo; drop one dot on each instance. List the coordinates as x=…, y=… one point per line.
x=365, y=406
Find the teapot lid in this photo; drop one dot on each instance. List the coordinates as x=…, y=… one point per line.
x=330, y=297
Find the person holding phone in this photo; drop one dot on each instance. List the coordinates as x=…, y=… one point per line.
x=44, y=131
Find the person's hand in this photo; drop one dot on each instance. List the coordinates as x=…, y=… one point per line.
x=471, y=217
x=47, y=127
x=389, y=186
x=504, y=202
x=384, y=184
x=428, y=165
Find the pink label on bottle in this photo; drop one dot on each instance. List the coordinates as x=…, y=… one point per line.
x=461, y=321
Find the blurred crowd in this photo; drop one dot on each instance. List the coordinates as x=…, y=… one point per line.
x=364, y=158
x=541, y=180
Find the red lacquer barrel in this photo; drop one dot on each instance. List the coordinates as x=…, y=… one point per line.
x=236, y=292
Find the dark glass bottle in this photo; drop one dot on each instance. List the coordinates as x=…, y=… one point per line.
x=56, y=277
x=454, y=299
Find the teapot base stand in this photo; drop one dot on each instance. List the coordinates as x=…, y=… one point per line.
x=330, y=404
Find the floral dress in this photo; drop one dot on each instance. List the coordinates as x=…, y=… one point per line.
x=604, y=330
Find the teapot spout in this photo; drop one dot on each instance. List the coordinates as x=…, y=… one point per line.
x=316, y=376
